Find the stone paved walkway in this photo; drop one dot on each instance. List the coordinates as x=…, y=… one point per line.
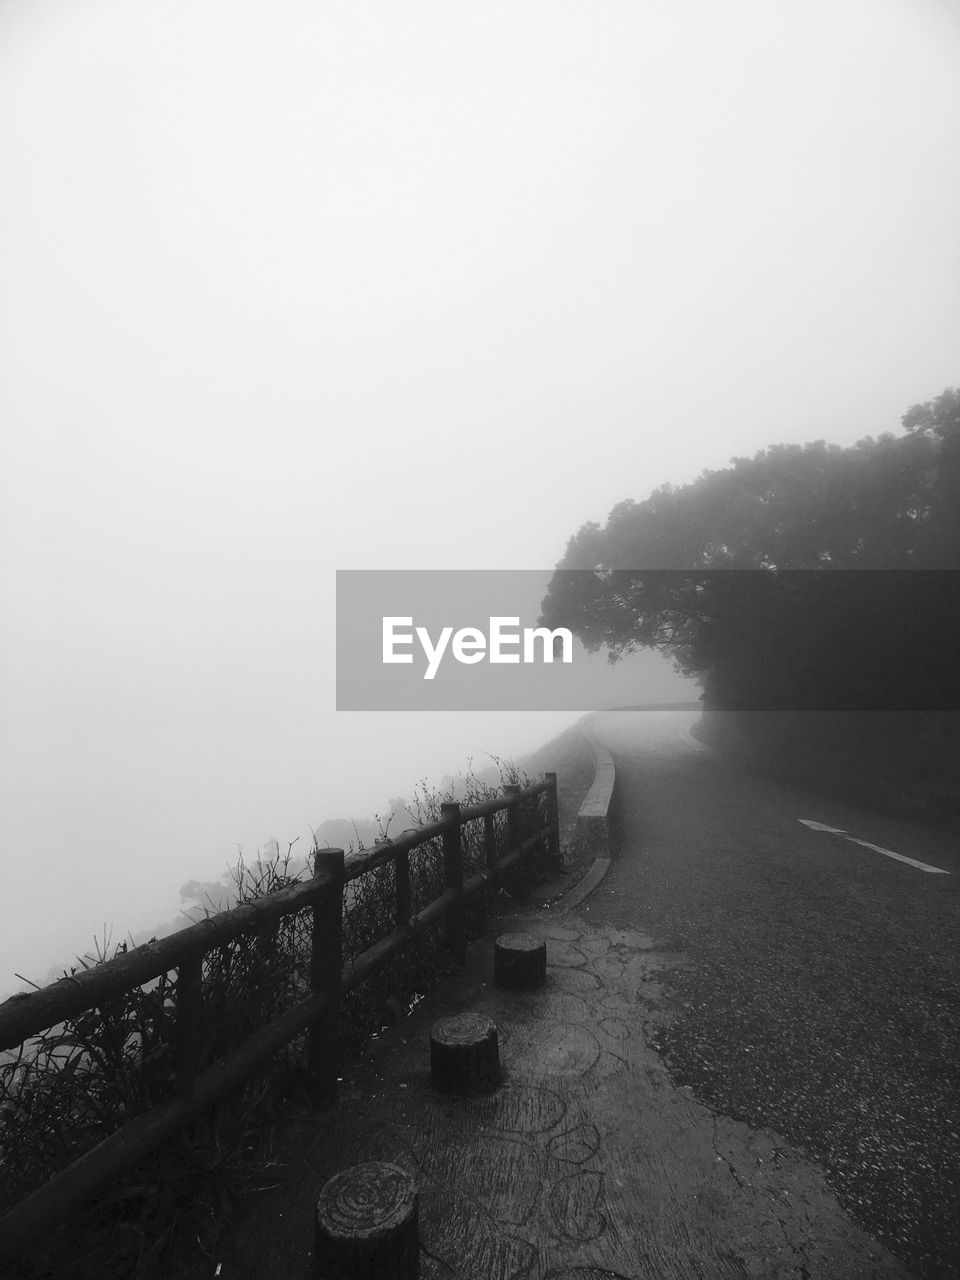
x=586, y=1164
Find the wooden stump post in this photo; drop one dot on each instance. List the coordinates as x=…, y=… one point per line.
x=326, y=964
x=464, y=1054
x=519, y=962
x=366, y=1225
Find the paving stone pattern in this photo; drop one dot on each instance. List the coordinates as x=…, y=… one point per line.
x=587, y=1163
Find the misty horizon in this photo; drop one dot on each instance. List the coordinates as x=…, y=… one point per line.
x=293, y=292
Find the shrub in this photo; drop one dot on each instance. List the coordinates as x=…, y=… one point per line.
x=70, y=1087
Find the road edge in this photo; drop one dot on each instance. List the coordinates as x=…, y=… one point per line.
x=595, y=820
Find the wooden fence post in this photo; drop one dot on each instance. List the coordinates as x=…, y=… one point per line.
x=326, y=965
x=189, y=1009
x=514, y=818
x=490, y=841
x=402, y=865
x=453, y=875
x=553, y=816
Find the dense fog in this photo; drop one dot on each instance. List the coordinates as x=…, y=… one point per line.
x=294, y=289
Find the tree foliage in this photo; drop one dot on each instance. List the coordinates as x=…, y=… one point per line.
x=730, y=575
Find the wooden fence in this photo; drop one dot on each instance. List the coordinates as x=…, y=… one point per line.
x=26, y=1015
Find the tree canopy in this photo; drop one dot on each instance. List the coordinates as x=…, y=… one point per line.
x=730, y=575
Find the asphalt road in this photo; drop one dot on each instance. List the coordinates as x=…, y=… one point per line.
x=820, y=991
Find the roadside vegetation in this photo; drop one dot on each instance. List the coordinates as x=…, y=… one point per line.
x=67, y=1089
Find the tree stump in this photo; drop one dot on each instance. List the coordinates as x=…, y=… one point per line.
x=367, y=1225
x=519, y=962
x=464, y=1054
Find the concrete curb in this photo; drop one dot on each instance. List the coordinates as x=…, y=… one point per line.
x=595, y=821
x=584, y=887
x=594, y=830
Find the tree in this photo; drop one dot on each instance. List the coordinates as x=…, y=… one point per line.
x=727, y=574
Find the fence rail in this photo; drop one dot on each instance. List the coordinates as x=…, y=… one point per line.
x=26, y=1015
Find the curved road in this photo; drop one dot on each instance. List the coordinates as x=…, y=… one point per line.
x=818, y=995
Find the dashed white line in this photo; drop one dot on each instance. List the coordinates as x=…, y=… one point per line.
x=877, y=848
x=889, y=853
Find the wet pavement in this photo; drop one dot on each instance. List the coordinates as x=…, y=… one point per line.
x=587, y=1163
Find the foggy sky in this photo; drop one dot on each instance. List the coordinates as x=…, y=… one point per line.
x=291, y=288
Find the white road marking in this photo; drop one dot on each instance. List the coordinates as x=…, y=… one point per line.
x=911, y=862
x=819, y=826
x=877, y=848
